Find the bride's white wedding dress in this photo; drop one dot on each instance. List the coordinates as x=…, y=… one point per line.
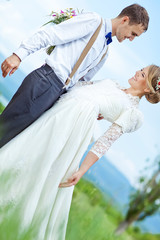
x=49, y=151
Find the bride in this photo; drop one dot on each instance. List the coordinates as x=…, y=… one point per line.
x=39, y=167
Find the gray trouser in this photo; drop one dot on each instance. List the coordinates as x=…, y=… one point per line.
x=37, y=93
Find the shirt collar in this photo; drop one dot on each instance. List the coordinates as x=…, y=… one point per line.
x=108, y=26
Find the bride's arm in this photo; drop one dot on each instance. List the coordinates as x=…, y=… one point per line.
x=106, y=140
x=97, y=151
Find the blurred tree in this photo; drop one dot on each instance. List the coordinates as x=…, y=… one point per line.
x=145, y=201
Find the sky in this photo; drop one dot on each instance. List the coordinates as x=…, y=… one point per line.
x=20, y=19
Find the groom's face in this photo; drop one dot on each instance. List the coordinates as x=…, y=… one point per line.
x=127, y=31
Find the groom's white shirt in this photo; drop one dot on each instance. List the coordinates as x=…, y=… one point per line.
x=70, y=38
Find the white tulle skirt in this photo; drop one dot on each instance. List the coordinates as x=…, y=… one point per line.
x=34, y=163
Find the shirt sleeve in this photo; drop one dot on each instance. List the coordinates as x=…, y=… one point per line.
x=90, y=74
x=56, y=34
x=106, y=140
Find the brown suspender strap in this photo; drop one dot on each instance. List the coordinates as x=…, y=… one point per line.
x=99, y=61
x=84, y=53
x=104, y=55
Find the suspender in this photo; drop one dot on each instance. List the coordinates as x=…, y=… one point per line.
x=84, y=53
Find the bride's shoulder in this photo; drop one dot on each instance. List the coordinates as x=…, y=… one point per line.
x=105, y=81
x=109, y=83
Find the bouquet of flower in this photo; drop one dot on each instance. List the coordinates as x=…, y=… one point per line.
x=58, y=18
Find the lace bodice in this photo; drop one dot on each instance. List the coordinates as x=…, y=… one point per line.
x=114, y=105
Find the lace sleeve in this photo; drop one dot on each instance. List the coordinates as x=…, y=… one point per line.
x=105, y=141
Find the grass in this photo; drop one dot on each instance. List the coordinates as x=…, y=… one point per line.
x=1, y=107
x=92, y=217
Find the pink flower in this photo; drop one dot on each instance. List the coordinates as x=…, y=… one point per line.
x=74, y=13
x=62, y=11
x=54, y=15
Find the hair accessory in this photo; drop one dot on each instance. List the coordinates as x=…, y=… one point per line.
x=158, y=84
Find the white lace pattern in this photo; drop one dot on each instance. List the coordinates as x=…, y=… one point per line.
x=104, y=142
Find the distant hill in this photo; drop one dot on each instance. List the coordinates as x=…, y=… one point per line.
x=110, y=181
x=106, y=177
x=92, y=217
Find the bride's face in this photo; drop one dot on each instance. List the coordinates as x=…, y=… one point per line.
x=139, y=80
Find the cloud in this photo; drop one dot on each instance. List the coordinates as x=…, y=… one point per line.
x=11, y=27
x=48, y=6
x=62, y=4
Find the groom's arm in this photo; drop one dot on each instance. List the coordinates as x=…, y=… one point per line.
x=94, y=70
x=52, y=35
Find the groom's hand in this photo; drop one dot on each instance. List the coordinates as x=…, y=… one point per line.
x=10, y=65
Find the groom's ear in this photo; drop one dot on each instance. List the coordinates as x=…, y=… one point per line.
x=125, y=19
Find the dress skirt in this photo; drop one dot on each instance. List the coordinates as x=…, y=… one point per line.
x=32, y=206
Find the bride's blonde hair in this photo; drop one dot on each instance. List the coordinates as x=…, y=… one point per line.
x=153, y=75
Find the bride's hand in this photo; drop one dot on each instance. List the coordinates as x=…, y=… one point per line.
x=73, y=180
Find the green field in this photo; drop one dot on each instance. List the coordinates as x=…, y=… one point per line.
x=1, y=107
x=92, y=217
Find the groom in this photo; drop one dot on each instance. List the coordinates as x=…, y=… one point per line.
x=42, y=87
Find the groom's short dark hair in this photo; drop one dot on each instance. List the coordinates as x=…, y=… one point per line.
x=137, y=15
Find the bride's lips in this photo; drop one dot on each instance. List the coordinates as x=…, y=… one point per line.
x=134, y=78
